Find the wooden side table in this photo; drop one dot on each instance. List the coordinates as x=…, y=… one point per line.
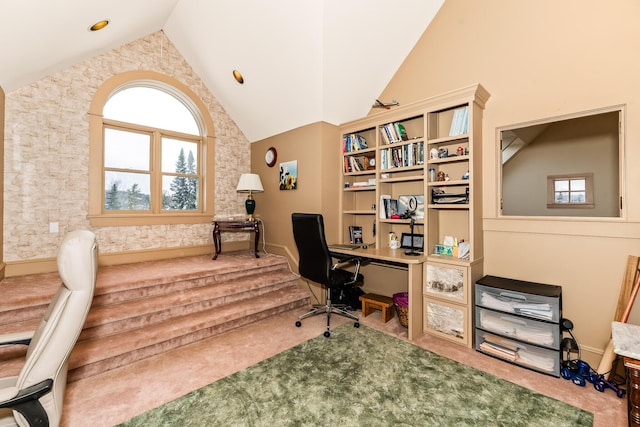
x=633, y=390
x=242, y=225
x=626, y=343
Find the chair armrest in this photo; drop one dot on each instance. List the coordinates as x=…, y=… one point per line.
x=347, y=261
x=26, y=402
x=23, y=338
x=353, y=260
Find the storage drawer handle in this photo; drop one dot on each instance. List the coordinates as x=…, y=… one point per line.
x=512, y=320
x=513, y=296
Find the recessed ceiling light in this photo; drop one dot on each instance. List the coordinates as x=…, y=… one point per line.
x=99, y=25
x=238, y=76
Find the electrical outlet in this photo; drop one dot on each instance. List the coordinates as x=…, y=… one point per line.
x=53, y=227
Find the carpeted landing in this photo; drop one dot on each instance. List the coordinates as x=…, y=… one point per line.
x=362, y=377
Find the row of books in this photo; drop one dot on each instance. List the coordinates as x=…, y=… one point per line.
x=460, y=122
x=393, y=132
x=405, y=155
x=358, y=163
x=353, y=142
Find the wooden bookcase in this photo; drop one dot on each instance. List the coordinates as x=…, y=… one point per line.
x=395, y=164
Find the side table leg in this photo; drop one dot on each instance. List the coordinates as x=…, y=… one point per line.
x=633, y=396
x=217, y=242
x=255, y=246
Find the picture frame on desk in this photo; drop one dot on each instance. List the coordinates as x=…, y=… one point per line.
x=418, y=241
x=355, y=234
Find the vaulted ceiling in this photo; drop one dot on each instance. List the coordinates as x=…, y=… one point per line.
x=302, y=61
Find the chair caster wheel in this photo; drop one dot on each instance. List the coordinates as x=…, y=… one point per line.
x=298, y=323
x=327, y=334
x=356, y=325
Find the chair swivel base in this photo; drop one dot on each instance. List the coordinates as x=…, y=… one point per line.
x=340, y=309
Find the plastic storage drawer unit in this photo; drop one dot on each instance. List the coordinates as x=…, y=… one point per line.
x=519, y=322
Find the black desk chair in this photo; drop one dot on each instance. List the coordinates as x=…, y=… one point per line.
x=315, y=264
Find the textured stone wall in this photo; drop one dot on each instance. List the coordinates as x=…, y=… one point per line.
x=47, y=151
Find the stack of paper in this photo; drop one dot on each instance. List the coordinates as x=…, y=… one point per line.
x=539, y=310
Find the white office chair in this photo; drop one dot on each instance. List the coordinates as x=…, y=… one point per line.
x=35, y=396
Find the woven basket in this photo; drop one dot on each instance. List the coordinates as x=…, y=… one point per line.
x=403, y=315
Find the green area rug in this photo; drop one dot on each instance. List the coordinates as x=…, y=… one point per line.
x=362, y=377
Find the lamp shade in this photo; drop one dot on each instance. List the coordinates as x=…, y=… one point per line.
x=249, y=183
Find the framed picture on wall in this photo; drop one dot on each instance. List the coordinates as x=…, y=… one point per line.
x=289, y=175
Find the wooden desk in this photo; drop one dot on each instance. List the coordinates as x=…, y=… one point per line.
x=242, y=225
x=415, y=268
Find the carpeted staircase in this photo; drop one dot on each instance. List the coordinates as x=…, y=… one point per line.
x=140, y=310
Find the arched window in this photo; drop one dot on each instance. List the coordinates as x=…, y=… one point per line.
x=153, y=148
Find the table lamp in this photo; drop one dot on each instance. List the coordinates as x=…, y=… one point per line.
x=250, y=183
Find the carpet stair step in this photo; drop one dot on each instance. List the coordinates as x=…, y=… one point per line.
x=113, y=293
x=94, y=356
x=140, y=310
x=116, y=318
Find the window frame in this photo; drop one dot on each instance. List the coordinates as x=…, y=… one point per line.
x=569, y=215
x=98, y=216
x=155, y=168
x=588, y=190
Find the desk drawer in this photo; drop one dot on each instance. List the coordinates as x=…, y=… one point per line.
x=520, y=328
x=519, y=303
x=447, y=320
x=529, y=356
x=447, y=281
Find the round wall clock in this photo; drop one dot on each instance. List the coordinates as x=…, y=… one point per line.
x=270, y=157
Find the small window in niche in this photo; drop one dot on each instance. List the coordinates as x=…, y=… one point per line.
x=570, y=191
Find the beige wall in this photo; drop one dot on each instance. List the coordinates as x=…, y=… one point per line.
x=314, y=147
x=46, y=162
x=541, y=59
x=2, y=100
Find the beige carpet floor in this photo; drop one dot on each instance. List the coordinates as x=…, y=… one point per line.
x=118, y=395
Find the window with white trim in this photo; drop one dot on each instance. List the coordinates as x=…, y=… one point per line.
x=150, y=165
x=570, y=191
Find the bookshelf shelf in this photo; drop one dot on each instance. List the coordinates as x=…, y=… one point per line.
x=460, y=206
x=400, y=221
x=363, y=188
x=360, y=173
x=406, y=178
x=358, y=212
x=448, y=139
x=452, y=159
x=449, y=183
